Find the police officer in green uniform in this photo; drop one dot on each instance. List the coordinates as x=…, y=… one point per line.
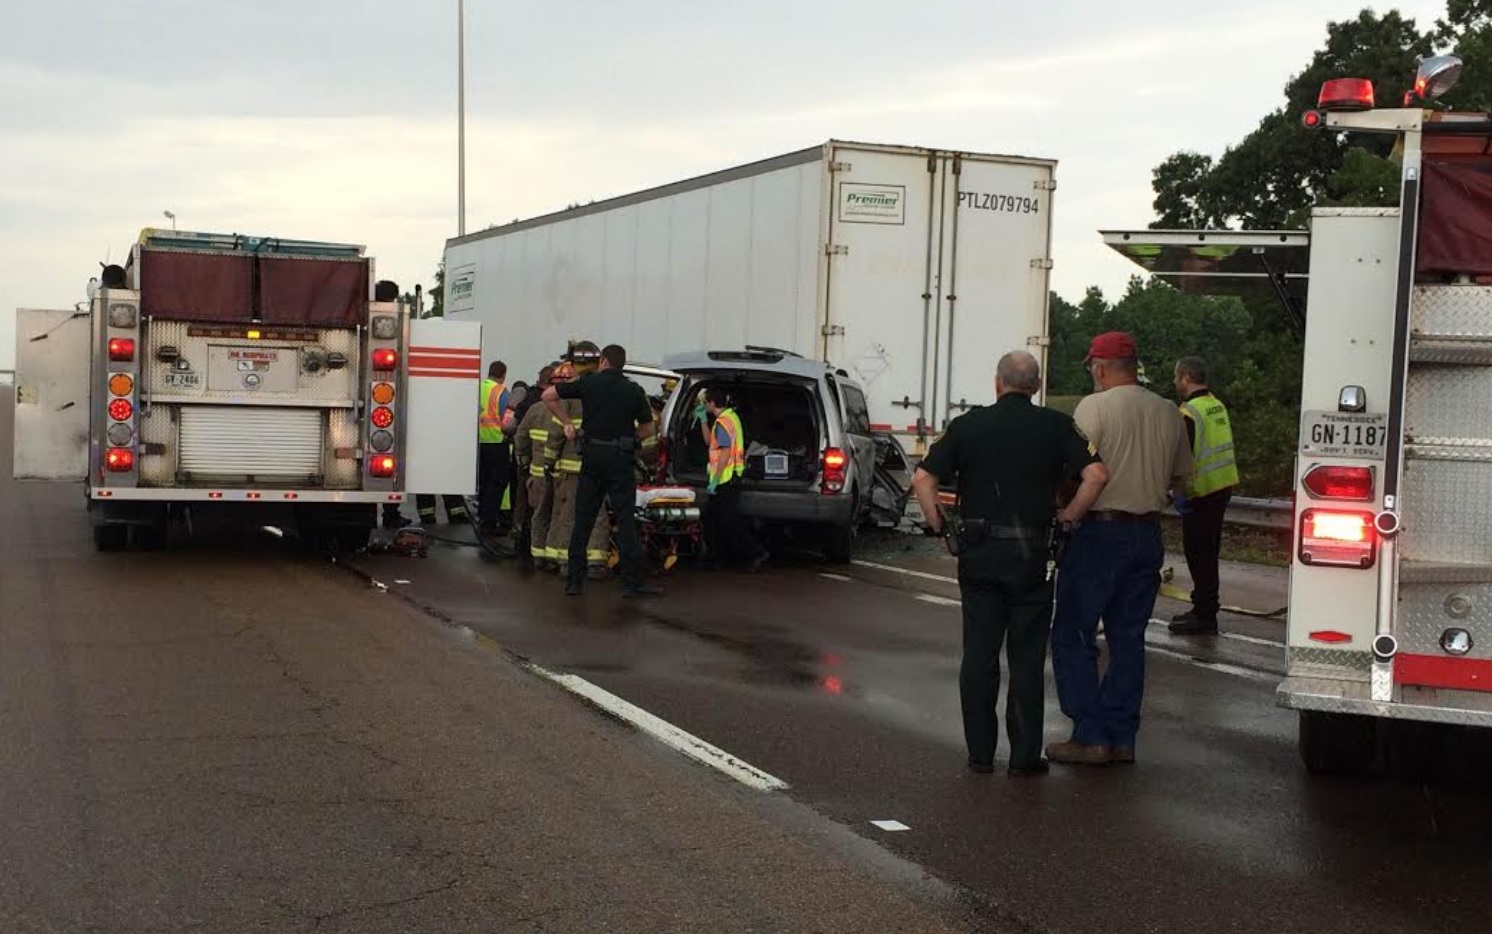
x=615, y=418
x=1009, y=461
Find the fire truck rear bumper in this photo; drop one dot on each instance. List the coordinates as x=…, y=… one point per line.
x=173, y=495
x=1463, y=708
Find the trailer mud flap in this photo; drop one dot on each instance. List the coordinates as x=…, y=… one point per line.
x=52, y=406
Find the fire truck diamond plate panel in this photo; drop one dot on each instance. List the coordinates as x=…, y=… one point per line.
x=1459, y=311
x=210, y=368
x=1426, y=611
x=1447, y=513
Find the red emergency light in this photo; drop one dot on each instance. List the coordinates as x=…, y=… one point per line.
x=383, y=417
x=385, y=359
x=1346, y=94
x=121, y=409
x=120, y=460
x=382, y=466
x=121, y=349
x=1334, y=482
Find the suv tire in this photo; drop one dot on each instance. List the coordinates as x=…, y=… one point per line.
x=839, y=540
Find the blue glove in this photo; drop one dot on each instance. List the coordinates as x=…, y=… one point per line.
x=1183, y=504
x=713, y=484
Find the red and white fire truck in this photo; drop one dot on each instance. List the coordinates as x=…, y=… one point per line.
x=1390, y=608
x=245, y=377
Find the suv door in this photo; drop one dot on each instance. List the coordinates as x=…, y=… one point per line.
x=854, y=420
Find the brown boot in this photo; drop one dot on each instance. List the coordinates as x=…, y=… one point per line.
x=1077, y=754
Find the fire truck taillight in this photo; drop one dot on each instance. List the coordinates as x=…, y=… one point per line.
x=383, y=393
x=382, y=417
x=1312, y=119
x=1331, y=538
x=1335, y=482
x=119, y=460
x=382, y=465
x=121, y=349
x=121, y=384
x=385, y=358
x=121, y=409
x=1346, y=94
x=381, y=441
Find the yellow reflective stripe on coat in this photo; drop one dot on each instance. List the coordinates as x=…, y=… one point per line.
x=566, y=465
x=1215, y=466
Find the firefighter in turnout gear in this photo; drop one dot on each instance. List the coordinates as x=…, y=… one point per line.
x=455, y=508
x=564, y=453
x=531, y=455
x=1214, y=475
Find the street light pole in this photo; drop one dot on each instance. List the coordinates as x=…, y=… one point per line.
x=172, y=218
x=460, y=118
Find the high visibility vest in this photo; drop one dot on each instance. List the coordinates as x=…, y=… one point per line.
x=1214, y=467
x=729, y=462
x=490, y=421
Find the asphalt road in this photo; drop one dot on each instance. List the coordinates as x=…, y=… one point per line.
x=235, y=737
x=232, y=736
x=842, y=682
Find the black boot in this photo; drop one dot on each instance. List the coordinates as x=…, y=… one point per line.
x=1191, y=624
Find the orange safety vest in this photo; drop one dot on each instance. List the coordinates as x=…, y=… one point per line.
x=729, y=462
x=490, y=422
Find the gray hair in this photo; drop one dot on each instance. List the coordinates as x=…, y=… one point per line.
x=1019, y=371
x=1193, y=369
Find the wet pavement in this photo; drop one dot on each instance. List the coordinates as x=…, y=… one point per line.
x=842, y=682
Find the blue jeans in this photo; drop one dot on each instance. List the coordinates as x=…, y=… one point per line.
x=1111, y=570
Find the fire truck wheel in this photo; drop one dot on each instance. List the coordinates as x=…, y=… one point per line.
x=111, y=537
x=1337, y=744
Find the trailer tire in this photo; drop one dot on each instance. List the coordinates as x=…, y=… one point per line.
x=1337, y=744
x=111, y=537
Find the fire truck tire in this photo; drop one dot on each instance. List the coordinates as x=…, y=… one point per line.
x=150, y=537
x=111, y=537
x=1337, y=744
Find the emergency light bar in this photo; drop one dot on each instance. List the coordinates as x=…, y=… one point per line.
x=1346, y=94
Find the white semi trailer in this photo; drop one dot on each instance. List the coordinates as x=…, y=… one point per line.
x=910, y=268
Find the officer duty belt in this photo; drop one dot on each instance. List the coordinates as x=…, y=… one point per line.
x=975, y=531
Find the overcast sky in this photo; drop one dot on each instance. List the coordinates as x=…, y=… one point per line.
x=336, y=119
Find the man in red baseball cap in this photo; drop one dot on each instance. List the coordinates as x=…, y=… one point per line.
x=1111, y=570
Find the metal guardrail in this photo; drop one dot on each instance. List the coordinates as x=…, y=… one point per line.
x=1255, y=513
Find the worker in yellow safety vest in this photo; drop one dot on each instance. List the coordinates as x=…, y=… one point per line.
x=1214, y=475
x=494, y=465
x=726, y=533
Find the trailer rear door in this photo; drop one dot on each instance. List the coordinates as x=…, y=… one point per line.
x=995, y=240
x=51, y=411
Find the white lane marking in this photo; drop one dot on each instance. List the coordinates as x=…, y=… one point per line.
x=1222, y=667
x=894, y=826
x=938, y=601
x=895, y=570
x=686, y=743
x=397, y=581
x=836, y=577
x=1235, y=636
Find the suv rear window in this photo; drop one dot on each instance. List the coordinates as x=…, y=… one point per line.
x=856, y=413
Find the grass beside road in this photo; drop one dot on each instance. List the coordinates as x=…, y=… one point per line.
x=1249, y=545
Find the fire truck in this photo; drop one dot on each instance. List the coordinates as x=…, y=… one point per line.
x=1390, y=606
x=221, y=376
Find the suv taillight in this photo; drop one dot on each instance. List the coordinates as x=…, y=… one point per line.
x=836, y=467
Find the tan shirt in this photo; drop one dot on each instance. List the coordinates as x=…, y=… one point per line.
x=1142, y=441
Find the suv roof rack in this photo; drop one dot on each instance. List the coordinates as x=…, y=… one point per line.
x=757, y=348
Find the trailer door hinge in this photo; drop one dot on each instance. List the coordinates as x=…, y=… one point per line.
x=832, y=330
x=1045, y=184
x=1041, y=263
x=836, y=249
x=840, y=167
